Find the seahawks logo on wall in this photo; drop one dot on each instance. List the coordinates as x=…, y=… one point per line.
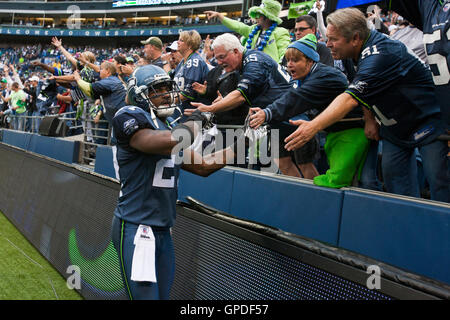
x=101, y=273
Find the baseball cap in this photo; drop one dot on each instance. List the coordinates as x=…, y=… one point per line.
x=154, y=41
x=34, y=78
x=172, y=47
x=4, y=80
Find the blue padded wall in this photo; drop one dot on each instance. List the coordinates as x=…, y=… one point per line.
x=104, y=161
x=66, y=151
x=293, y=206
x=43, y=145
x=56, y=148
x=214, y=190
x=408, y=234
x=402, y=232
x=17, y=138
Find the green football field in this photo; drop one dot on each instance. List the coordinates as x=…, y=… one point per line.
x=24, y=273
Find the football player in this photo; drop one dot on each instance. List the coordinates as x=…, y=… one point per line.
x=148, y=168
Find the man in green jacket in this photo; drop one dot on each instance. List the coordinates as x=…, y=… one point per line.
x=18, y=105
x=264, y=36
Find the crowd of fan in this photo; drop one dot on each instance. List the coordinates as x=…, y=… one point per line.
x=53, y=78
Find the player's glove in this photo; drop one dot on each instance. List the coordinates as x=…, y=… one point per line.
x=206, y=118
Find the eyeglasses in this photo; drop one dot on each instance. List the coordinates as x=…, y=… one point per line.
x=301, y=29
x=221, y=57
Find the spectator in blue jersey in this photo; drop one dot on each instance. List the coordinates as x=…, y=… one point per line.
x=397, y=88
x=109, y=89
x=315, y=86
x=191, y=69
x=148, y=169
x=433, y=18
x=261, y=82
x=369, y=178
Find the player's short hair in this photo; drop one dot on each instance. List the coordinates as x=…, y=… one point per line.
x=349, y=21
x=228, y=41
x=192, y=38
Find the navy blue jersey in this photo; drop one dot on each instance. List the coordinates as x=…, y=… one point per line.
x=194, y=69
x=313, y=94
x=113, y=93
x=262, y=79
x=148, y=182
x=432, y=17
x=398, y=88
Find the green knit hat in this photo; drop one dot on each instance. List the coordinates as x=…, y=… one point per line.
x=307, y=45
x=268, y=8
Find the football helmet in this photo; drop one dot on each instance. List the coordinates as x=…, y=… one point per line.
x=144, y=83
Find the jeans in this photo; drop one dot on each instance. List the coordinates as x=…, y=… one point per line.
x=400, y=169
x=36, y=121
x=369, y=177
x=28, y=121
x=20, y=121
x=123, y=237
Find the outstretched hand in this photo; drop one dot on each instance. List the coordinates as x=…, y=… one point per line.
x=257, y=117
x=305, y=132
x=199, y=106
x=213, y=14
x=199, y=88
x=56, y=42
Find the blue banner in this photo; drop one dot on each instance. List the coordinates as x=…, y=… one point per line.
x=109, y=33
x=129, y=3
x=352, y=3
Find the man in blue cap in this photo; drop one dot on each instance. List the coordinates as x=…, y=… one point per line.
x=315, y=86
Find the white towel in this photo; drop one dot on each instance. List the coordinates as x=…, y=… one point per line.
x=143, y=267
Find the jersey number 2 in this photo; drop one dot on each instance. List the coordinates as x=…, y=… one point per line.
x=158, y=180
